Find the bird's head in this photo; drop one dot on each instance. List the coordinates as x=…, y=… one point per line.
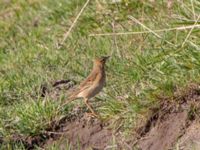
x=102, y=60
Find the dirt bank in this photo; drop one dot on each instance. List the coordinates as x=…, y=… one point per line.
x=174, y=124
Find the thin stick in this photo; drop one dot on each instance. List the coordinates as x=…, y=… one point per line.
x=188, y=35
x=138, y=22
x=73, y=24
x=142, y=32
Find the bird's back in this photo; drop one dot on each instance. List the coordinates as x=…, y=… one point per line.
x=91, y=86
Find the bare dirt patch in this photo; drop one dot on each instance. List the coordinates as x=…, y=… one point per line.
x=84, y=132
x=173, y=122
x=191, y=138
x=165, y=133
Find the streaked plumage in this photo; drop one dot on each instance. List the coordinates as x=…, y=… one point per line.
x=93, y=84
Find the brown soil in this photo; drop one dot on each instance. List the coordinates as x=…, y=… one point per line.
x=165, y=133
x=191, y=138
x=174, y=124
x=84, y=132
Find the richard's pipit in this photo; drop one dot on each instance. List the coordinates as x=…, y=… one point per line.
x=92, y=85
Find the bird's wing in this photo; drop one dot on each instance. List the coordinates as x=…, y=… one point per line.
x=85, y=84
x=89, y=80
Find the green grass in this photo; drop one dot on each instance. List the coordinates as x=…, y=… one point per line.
x=142, y=66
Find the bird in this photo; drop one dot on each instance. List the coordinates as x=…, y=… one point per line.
x=92, y=85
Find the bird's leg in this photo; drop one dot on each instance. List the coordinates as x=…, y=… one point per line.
x=90, y=108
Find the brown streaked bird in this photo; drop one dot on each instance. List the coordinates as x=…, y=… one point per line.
x=92, y=85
